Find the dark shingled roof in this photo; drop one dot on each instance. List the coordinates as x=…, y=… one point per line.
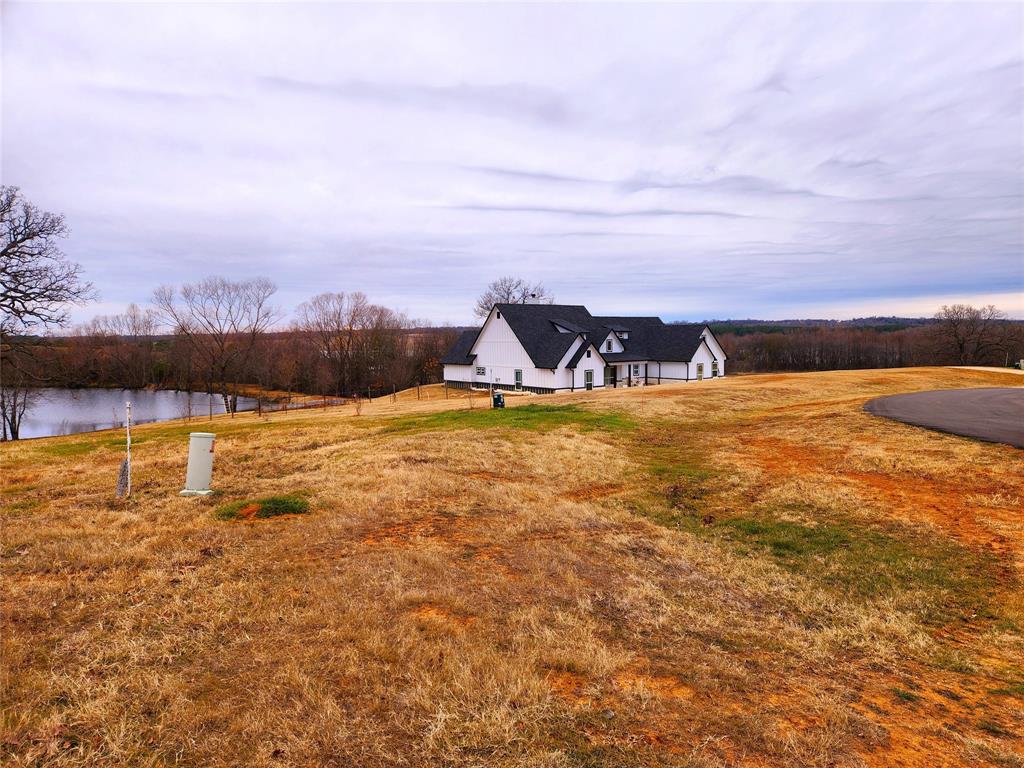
x=569, y=326
x=459, y=353
x=534, y=325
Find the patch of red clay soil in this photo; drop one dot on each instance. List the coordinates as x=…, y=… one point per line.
x=569, y=686
x=922, y=732
x=661, y=686
x=572, y=686
x=447, y=527
x=912, y=498
x=492, y=557
x=248, y=512
x=443, y=618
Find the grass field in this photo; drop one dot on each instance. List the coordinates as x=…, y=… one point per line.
x=750, y=571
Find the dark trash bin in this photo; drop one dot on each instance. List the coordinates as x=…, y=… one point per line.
x=498, y=400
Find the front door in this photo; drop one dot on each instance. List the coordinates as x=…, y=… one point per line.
x=519, y=379
x=588, y=379
x=700, y=371
x=609, y=376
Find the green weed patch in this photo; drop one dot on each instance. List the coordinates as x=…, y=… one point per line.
x=868, y=563
x=260, y=509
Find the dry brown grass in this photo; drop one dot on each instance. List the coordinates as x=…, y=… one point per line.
x=751, y=571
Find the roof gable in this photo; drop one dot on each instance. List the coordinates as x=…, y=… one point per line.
x=586, y=345
x=534, y=326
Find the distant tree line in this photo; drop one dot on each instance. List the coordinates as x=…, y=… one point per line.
x=959, y=334
x=338, y=345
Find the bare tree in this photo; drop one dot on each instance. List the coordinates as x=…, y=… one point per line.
x=971, y=335
x=361, y=344
x=334, y=321
x=222, y=321
x=510, y=290
x=18, y=391
x=37, y=282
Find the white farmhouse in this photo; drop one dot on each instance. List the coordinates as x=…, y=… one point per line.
x=562, y=347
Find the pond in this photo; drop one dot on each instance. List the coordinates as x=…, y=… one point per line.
x=67, y=411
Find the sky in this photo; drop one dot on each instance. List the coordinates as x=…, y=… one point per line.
x=693, y=161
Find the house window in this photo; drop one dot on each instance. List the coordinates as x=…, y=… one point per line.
x=588, y=353
x=608, y=345
x=636, y=369
x=700, y=371
x=623, y=334
x=714, y=367
x=499, y=315
x=481, y=370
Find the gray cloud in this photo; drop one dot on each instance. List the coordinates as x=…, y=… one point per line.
x=538, y=176
x=690, y=160
x=510, y=100
x=729, y=185
x=594, y=212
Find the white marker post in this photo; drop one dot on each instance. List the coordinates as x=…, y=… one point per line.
x=128, y=442
x=200, y=464
x=124, y=477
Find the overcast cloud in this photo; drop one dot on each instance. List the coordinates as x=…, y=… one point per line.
x=688, y=160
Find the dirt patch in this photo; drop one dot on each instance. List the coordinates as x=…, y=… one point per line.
x=569, y=686
x=405, y=533
x=440, y=616
x=911, y=498
x=248, y=512
x=662, y=686
x=900, y=706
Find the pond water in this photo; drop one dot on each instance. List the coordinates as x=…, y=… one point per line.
x=66, y=411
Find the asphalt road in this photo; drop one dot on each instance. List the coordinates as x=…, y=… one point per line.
x=995, y=414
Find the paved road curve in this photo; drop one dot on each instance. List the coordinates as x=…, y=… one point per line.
x=995, y=414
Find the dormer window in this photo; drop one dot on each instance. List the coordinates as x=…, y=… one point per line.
x=624, y=335
x=588, y=353
x=608, y=346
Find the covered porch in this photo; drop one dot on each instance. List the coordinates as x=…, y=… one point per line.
x=632, y=374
